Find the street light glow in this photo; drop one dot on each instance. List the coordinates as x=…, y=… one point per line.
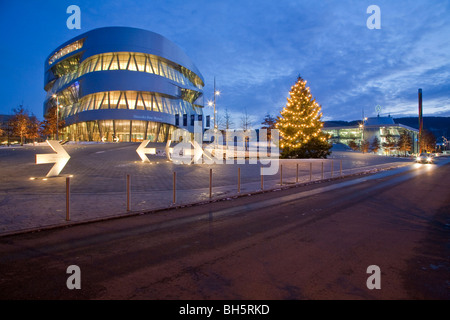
x=217, y=93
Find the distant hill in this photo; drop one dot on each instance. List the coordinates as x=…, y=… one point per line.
x=439, y=126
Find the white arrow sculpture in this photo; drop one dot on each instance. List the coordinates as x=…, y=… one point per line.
x=169, y=150
x=142, y=150
x=60, y=158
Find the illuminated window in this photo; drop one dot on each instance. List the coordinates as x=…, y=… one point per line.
x=66, y=50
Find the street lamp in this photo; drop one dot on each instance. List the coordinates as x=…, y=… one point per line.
x=213, y=103
x=361, y=126
x=57, y=115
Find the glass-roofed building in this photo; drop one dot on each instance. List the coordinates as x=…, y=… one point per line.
x=370, y=128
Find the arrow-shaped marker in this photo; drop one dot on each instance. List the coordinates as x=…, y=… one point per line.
x=142, y=150
x=60, y=158
x=169, y=150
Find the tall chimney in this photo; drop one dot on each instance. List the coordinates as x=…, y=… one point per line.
x=420, y=121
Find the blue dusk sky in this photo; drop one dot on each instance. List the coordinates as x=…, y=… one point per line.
x=256, y=50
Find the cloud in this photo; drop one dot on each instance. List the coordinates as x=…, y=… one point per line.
x=256, y=50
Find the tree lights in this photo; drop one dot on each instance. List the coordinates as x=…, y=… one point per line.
x=300, y=125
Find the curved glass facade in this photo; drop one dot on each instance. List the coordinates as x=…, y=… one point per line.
x=122, y=95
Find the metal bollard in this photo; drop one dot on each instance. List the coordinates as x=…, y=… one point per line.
x=332, y=168
x=128, y=192
x=174, y=187
x=310, y=171
x=262, y=180
x=210, y=183
x=296, y=177
x=322, y=170
x=281, y=174
x=67, y=199
x=239, y=180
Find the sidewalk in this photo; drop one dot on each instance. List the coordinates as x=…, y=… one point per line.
x=25, y=211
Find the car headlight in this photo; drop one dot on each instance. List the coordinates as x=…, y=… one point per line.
x=429, y=159
x=418, y=159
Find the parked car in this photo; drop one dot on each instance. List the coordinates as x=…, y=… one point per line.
x=424, y=158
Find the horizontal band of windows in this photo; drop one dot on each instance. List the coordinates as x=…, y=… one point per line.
x=131, y=100
x=130, y=61
x=118, y=131
x=66, y=50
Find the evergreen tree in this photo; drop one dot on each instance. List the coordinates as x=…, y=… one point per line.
x=375, y=146
x=269, y=124
x=390, y=143
x=300, y=125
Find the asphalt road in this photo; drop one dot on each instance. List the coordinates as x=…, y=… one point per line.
x=308, y=242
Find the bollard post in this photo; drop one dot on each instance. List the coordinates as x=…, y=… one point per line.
x=67, y=199
x=332, y=168
x=174, y=187
x=281, y=174
x=310, y=171
x=128, y=192
x=322, y=170
x=296, y=177
x=210, y=183
x=239, y=180
x=262, y=180
x=341, y=168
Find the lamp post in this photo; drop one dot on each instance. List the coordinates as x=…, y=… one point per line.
x=361, y=126
x=213, y=103
x=216, y=93
x=57, y=116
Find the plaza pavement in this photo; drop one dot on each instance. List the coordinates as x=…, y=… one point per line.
x=98, y=182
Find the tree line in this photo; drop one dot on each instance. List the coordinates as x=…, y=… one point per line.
x=24, y=125
x=403, y=144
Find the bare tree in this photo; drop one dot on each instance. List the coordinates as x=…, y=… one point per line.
x=365, y=145
x=246, y=121
x=20, y=122
x=228, y=121
x=428, y=141
x=405, y=142
x=34, y=128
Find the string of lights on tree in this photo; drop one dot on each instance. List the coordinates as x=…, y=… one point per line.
x=300, y=119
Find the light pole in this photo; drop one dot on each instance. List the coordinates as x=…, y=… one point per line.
x=213, y=103
x=363, y=143
x=57, y=116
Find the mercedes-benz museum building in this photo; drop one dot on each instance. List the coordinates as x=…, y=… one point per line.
x=122, y=84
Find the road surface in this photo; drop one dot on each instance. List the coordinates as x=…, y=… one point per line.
x=308, y=242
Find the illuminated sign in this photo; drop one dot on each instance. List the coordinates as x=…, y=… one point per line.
x=142, y=150
x=60, y=158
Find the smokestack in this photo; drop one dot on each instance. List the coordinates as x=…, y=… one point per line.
x=420, y=121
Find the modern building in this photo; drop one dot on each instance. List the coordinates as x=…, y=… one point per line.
x=379, y=127
x=122, y=84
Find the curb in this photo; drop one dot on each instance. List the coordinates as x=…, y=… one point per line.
x=192, y=204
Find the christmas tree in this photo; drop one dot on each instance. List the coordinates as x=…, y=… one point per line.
x=300, y=126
